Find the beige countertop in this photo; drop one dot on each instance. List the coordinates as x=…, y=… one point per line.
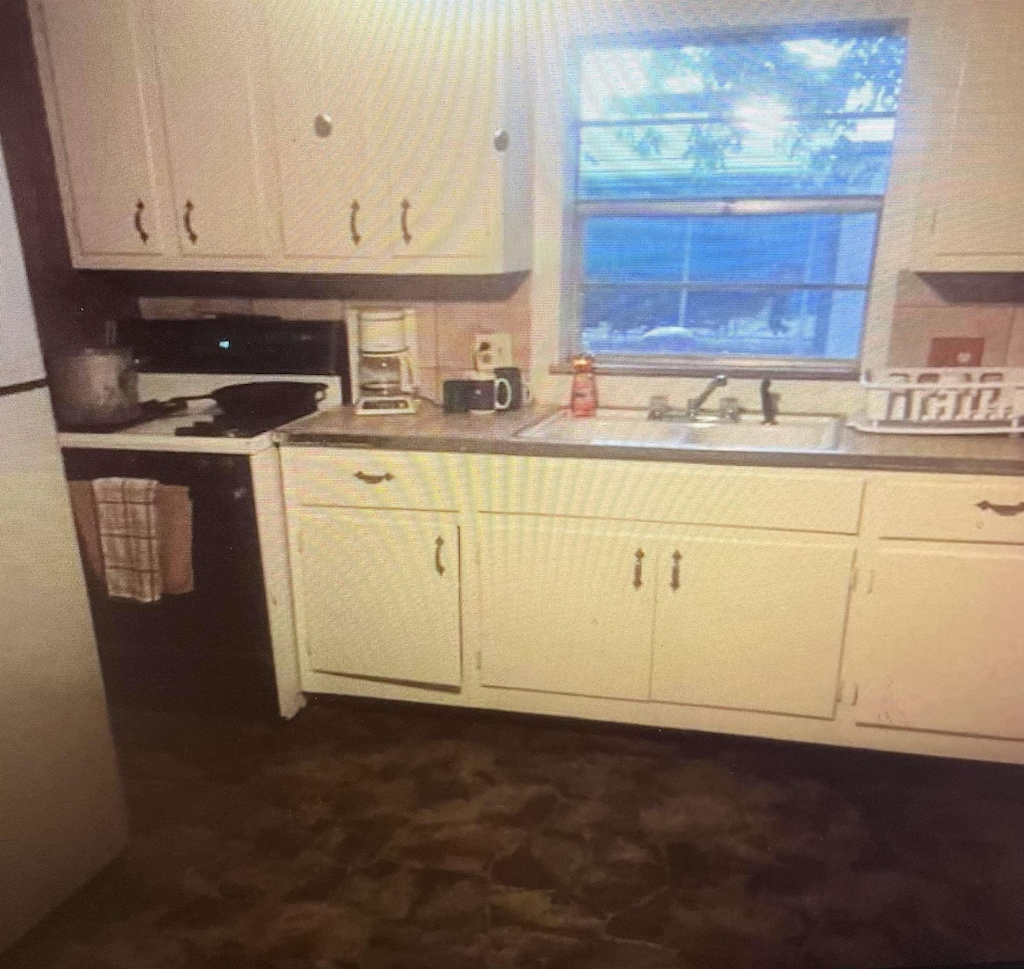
x=433, y=430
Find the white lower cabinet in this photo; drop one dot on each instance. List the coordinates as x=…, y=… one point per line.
x=604, y=609
x=566, y=606
x=751, y=623
x=861, y=620
x=377, y=593
x=937, y=639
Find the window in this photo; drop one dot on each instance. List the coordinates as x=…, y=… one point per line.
x=728, y=197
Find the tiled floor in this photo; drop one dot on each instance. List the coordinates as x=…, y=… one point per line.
x=374, y=836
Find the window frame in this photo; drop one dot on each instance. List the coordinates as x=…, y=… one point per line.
x=578, y=210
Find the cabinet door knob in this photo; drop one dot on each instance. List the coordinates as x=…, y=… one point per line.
x=676, y=559
x=352, y=225
x=374, y=479
x=189, y=209
x=638, y=569
x=406, y=235
x=323, y=125
x=501, y=140
x=1006, y=511
x=438, y=545
x=140, y=207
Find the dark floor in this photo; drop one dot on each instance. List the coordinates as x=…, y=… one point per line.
x=386, y=836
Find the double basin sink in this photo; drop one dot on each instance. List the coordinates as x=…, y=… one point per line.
x=630, y=428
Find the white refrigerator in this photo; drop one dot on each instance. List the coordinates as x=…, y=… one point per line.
x=62, y=815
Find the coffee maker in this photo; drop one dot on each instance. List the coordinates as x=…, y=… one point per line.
x=383, y=353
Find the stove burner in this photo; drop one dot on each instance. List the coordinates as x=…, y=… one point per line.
x=221, y=426
x=149, y=410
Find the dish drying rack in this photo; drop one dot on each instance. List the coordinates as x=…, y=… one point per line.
x=938, y=400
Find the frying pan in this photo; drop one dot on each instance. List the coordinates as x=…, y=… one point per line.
x=287, y=399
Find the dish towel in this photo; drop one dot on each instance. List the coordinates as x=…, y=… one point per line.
x=127, y=520
x=112, y=555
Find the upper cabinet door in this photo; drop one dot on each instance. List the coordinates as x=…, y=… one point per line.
x=436, y=130
x=331, y=189
x=976, y=205
x=210, y=57
x=97, y=65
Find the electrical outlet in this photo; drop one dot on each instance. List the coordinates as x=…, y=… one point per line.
x=492, y=350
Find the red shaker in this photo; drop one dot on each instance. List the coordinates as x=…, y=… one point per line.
x=583, y=399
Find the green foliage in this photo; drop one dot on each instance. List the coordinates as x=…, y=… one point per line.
x=820, y=88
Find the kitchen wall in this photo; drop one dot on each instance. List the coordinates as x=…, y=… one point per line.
x=959, y=307
x=70, y=305
x=449, y=312
x=904, y=310
x=935, y=33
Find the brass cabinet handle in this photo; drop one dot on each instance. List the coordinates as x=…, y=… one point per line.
x=676, y=559
x=406, y=235
x=352, y=227
x=189, y=209
x=638, y=569
x=140, y=207
x=438, y=545
x=1006, y=511
x=374, y=479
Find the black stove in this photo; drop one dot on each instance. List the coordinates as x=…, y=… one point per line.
x=221, y=426
x=149, y=410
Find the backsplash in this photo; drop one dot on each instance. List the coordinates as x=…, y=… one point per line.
x=961, y=310
x=445, y=327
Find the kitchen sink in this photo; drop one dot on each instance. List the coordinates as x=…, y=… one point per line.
x=630, y=428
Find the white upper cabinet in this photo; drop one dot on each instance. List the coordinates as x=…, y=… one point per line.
x=396, y=145
x=96, y=62
x=438, y=128
x=372, y=136
x=331, y=190
x=209, y=55
x=974, y=203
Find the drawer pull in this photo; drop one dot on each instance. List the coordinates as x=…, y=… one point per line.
x=676, y=559
x=438, y=545
x=1007, y=511
x=638, y=569
x=374, y=479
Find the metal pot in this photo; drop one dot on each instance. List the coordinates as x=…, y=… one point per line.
x=96, y=387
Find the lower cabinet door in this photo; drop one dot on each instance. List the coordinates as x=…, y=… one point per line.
x=751, y=623
x=378, y=594
x=936, y=641
x=566, y=607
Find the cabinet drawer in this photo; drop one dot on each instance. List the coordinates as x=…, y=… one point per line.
x=812, y=501
x=970, y=510
x=371, y=479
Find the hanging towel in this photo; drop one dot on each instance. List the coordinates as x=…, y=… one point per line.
x=174, y=530
x=126, y=516
x=173, y=510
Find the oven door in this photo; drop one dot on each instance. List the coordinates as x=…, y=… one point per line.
x=208, y=650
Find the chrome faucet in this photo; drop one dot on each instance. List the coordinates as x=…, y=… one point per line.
x=694, y=405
